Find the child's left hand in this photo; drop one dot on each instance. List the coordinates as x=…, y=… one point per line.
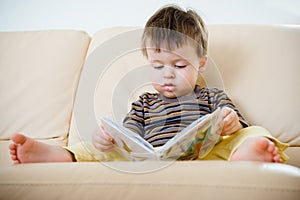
x=231, y=121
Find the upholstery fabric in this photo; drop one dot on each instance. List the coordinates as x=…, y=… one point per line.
x=39, y=72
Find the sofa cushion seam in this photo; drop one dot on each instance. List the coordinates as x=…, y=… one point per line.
x=155, y=185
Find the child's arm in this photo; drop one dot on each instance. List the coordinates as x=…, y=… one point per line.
x=231, y=121
x=102, y=141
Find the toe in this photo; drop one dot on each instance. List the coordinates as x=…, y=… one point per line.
x=19, y=138
x=16, y=162
x=12, y=146
x=12, y=152
x=271, y=147
x=13, y=157
x=275, y=152
x=277, y=159
x=262, y=144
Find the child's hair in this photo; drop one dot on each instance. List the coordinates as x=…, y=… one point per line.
x=171, y=27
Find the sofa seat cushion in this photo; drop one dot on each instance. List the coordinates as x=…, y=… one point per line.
x=178, y=180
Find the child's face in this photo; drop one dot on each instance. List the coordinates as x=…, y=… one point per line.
x=175, y=73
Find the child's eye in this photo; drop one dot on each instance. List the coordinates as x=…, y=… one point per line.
x=180, y=66
x=158, y=66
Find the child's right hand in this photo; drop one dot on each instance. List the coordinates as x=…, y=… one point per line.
x=103, y=141
x=231, y=121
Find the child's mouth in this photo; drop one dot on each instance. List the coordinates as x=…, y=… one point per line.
x=168, y=86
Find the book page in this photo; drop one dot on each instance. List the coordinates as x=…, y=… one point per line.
x=195, y=140
x=212, y=135
x=127, y=142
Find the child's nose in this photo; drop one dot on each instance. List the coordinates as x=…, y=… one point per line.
x=169, y=72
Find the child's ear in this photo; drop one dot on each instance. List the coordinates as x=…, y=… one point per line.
x=202, y=63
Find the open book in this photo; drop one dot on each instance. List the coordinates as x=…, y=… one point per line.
x=195, y=141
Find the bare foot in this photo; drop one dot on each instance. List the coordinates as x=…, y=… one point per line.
x=257, y=149
x=27, y=150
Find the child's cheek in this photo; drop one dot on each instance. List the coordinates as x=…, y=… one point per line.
x=189, y=78
x=155, y=77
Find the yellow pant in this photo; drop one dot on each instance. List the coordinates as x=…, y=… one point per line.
x=223, y=150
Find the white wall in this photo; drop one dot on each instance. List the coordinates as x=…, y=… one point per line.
x=92, y=15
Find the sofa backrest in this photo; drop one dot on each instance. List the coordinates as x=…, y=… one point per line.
x=259, y=66
x=39, y=72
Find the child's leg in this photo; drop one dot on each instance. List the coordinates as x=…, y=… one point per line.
x=86, y=152
x=28, y=150
x=253, y=143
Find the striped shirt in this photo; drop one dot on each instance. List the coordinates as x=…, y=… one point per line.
x=157, y=118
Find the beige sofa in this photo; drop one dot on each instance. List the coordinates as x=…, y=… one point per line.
x=55, y=84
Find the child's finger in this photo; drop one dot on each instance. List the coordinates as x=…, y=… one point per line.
x=230, y=118
x=105, y=142
x=102, y=147
x=102, y=141
x=226, y=111
x=106, y=135
x=229, y=128
x=231, y=121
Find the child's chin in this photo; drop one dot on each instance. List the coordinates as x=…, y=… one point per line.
x=170, y=95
